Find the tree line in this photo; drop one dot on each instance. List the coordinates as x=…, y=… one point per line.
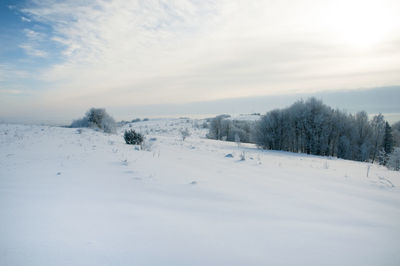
x=312, y=127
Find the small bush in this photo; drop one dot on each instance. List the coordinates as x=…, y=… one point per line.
x=132, y=137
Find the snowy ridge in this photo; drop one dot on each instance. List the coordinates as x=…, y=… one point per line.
x=71, y=197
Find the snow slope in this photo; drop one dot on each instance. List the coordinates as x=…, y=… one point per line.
x=71, y=198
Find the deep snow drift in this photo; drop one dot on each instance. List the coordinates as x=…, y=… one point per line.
x=86, y=198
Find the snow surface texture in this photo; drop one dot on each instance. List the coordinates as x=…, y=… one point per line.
x=81, y=197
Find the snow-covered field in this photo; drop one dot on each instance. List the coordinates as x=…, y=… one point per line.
x=87, y=198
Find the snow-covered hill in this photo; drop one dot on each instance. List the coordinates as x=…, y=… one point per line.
x=71, y=197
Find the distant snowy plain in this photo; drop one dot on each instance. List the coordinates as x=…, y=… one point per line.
x=86, y=198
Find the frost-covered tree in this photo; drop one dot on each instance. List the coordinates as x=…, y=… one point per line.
x=387, y=143
x=215, y=130
x=303, y=127
x=378, y=132
x=388, y=139
x=394, y=160
x=344, y=148
x=222, y=128
x=396, y=134
x=361, y=136
x=96, y=118
x=268, y=132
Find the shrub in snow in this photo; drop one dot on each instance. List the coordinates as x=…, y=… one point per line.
x=96, y=118
x=132, y=137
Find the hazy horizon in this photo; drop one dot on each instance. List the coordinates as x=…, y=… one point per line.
x=376, y=100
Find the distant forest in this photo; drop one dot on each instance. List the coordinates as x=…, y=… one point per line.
x=312, y=127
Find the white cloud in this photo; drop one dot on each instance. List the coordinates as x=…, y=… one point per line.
x=24, y=19
x=33, y=43
x=34, y=35
x=121, y=52
x=32, y=51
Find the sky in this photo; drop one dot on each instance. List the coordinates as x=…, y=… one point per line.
x=59, y=58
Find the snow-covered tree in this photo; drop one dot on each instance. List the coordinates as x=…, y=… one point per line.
x=344, y=148
x=387, y=144
x=361, y=137
x=388, y=139
x=378, y=132
x=394, y=160
x=223, y=128
x=396, y=134
x=96, y=118
x=215, y=131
